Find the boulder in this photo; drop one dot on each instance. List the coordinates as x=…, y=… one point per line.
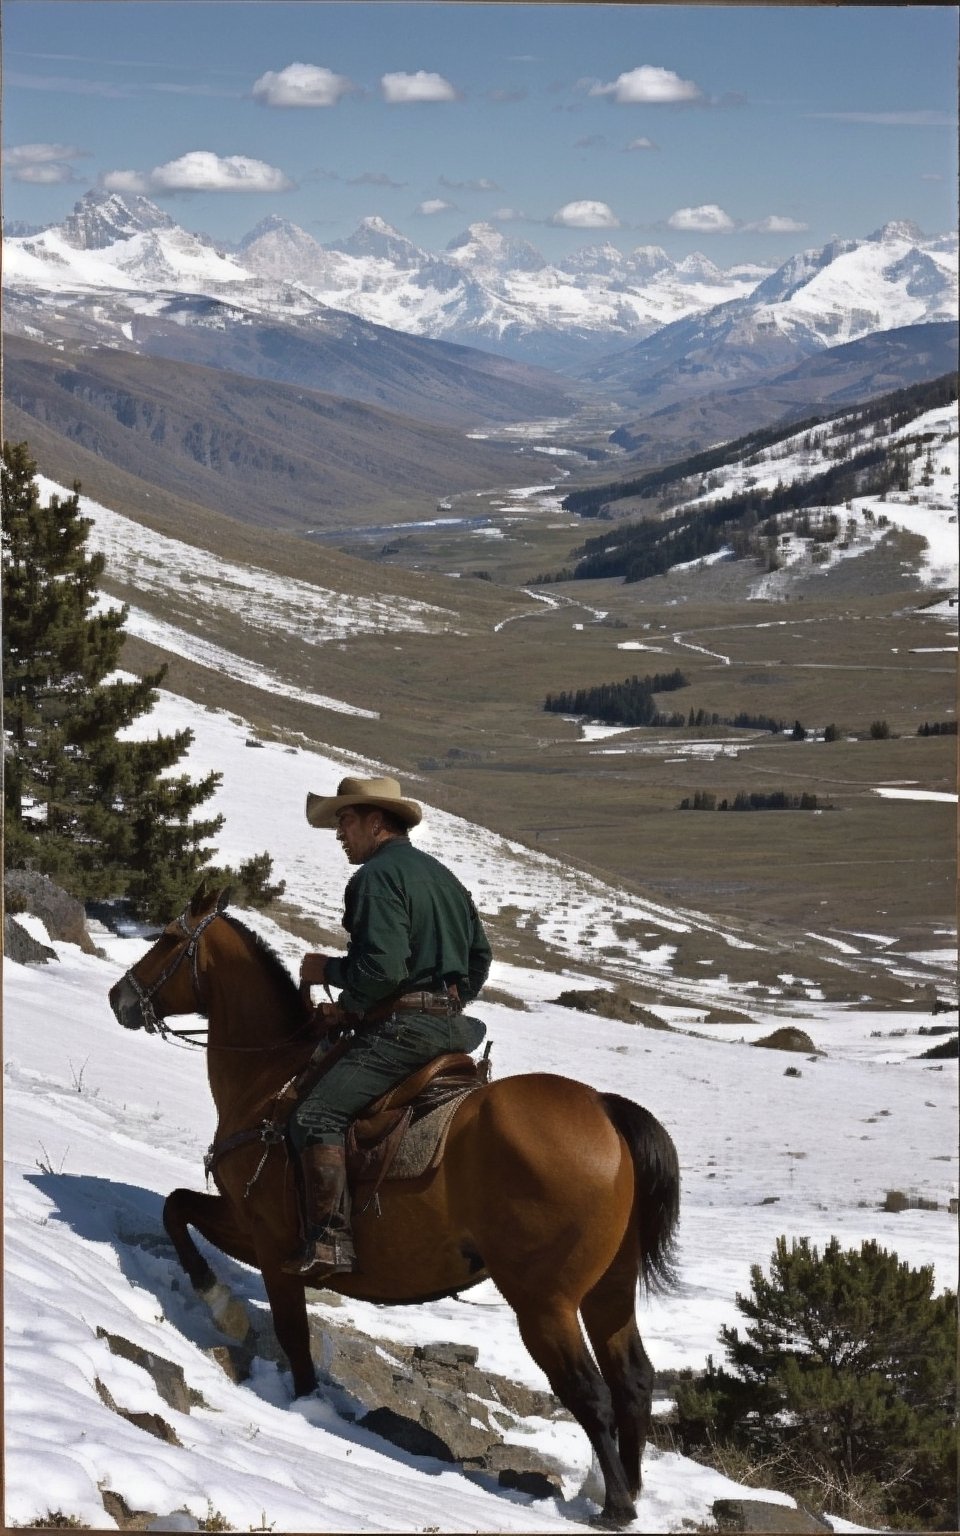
x=21, y=947
x=27, y=891
x=761, y=1515
x=789, y=1038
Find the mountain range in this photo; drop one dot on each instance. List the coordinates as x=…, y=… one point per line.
x=120, y=267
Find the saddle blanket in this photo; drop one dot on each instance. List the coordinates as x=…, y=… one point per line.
x=423, y=1141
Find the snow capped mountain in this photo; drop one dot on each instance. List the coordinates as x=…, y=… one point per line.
x=698, y=268
x=491, y=291
x=375, y=238
x=101, y=218
x=820, y=298
x=483, y=250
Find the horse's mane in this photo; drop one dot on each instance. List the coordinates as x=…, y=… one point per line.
x=271, y=959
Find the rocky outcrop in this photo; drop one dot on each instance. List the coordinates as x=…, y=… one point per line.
x=27, y=891
x=762, y=1516
x=21, y=947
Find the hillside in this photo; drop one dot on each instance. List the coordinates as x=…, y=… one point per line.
x=827, y=380
x=275, y=454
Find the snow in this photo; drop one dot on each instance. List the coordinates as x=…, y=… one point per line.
x=928, y=508
x=915, y=794
x=100, y=1125
x=207, y=583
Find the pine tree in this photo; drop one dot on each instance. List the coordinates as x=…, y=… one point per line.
x=845, y=1377
x=97, y=812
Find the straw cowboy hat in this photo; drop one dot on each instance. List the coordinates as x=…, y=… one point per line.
x=383, y=793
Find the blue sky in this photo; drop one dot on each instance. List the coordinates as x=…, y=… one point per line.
x=745, y=132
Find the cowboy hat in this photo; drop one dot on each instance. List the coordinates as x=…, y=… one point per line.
x=382, y=793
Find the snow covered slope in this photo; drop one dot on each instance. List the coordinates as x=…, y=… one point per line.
x=99, y=1126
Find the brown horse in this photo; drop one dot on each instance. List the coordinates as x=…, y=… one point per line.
x=563, y=1196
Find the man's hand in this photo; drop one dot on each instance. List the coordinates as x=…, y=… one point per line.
x=313, y=969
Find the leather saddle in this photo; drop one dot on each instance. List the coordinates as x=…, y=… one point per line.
x=374, y=1138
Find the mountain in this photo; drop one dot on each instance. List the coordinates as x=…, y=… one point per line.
x=491, y=291
x=852, y=372
x=273, y=454
x=102, y=218
x=485, y=290
x=817, y=300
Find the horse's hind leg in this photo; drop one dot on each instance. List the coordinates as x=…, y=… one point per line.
x=551, y=1332
x=609, y=1316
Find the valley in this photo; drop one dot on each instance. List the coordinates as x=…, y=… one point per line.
x=375, y=541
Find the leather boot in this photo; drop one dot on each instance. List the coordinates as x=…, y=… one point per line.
x=328, y=1244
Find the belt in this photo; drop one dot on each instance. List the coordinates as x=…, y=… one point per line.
x=428, y=1002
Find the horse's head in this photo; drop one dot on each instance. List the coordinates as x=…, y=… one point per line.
x=168, y=978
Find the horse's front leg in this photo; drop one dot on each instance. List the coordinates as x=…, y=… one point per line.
x=288, y=1305
x=213, y=1218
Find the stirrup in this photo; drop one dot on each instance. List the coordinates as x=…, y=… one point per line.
x=331, y=1252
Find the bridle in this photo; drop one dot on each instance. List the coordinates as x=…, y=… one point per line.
x=153, y=1022
x=189, y=949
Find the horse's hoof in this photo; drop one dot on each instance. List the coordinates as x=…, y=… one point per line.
x=613, y=1520
x=227, y=1312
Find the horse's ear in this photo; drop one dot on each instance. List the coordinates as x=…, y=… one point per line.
x=223, y=897
x=202, y=897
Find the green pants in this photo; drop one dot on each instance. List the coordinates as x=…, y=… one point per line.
x=377, y=1059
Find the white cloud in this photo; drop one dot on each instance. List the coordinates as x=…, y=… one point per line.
x=922, y=119
x=586, y=215
x=708, y=219
x=648, y=84
x=126, y=181
x=642, y=143
x=399, y=89
x=434, y=205
x=41, y=154
x=930, y=176
x=369, y=179
x=478, y=184
x=201, y=171
x=301, y=85
x=507, y=215
x=776, y=224
x=47, y=175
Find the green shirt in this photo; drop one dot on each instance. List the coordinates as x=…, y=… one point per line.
x=411, y=924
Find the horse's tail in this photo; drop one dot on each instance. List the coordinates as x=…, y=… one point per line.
x=657, y=1205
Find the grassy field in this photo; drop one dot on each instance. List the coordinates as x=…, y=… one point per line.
x=462, y=721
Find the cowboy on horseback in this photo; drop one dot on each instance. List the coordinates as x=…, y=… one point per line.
x=417, y=953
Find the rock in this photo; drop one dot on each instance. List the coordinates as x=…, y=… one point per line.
x=609, y=1005
x=406, y=1433
x=759, y=1515
x=233, y=1359
x=787, y=1039
x=21, y=947
x=26, y=891
x=127, y=1519
x=452, y=1355
x=151, y=1422
x=167, y=1377
x=523, y=1469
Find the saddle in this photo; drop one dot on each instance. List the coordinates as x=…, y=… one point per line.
x=428, y=1097
x=375, y=1137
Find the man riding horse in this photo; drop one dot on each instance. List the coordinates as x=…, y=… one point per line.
x=417, y=953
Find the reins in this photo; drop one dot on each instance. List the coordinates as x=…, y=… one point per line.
x=155, y=1023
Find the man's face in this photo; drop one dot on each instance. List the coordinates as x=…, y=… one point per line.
x=357, y=833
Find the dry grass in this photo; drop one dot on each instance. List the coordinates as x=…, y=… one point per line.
x=460, y=718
